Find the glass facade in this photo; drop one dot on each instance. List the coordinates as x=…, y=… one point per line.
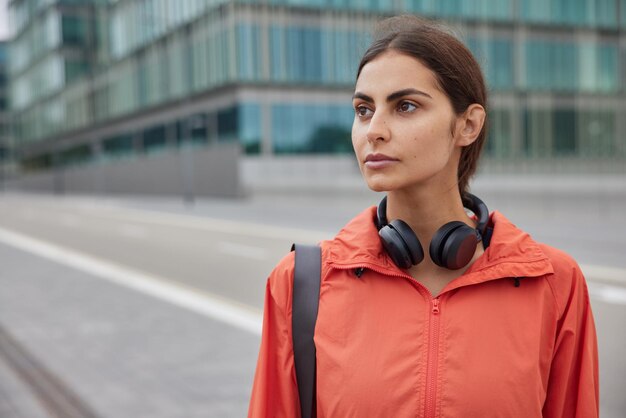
x=52, y=45
x=5, y=130
x=241, y=122
x=138, y=23
x=315, y=55
x=570, y=66
x=305, y=128
x=566, y=132
x=593, y=13
x=76, y=67
x=4, y=79
x=495, y=55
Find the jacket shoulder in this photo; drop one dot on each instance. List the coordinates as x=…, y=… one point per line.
x=561, y=261
x=280, y=281
x=567, y=277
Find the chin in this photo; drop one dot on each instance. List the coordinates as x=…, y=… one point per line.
x=378, y=185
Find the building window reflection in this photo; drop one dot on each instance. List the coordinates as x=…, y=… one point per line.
x=301, y=128
x=566, y=131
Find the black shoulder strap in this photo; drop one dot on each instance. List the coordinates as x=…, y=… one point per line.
x=306, y=294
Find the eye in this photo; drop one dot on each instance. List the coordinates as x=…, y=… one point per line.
x=406, y=107
x=362, y=111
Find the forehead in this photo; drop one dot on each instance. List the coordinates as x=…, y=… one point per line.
x=393, y=71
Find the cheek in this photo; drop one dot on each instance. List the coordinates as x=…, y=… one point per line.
x=433, y=143
x=356, y=136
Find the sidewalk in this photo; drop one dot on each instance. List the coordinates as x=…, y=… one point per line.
x=91, y=335
x=16, y=398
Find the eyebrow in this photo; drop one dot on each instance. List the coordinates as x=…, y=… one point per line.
x=393, y=96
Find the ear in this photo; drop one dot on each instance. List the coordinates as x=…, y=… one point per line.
x=469, y=124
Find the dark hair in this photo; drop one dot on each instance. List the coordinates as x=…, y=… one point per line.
x=455, y=68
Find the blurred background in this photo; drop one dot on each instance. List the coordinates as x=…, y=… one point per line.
x=159, y=157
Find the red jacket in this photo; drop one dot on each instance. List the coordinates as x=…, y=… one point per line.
x=482, y=348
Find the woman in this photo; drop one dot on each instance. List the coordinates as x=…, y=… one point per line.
x=505, y=330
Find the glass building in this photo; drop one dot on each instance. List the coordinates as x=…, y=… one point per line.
x=95, y=80
x=5, y=137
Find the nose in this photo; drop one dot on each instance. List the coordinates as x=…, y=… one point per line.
x=377, y=129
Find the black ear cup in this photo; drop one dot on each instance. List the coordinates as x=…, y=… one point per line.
x=401, y=244
x=453, y=245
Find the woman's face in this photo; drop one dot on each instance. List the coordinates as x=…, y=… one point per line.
x=403, y=130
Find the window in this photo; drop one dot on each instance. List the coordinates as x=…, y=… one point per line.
x=154, y=139
x=227, y=124
x=179, y=63
x=75, y=69
x=495, y=56
x=570, y=132
x=564, y=131
x=606, y=13
x=567, y=66
x=41, y=162
x=118, y=146
x=570, y=12
x=248, y=52
x=551, y=65
x=472, y=9
x=80, y=154
x=192, y=130
x=315, y=55
x=250, y=127
x=499, y=134
x=300, y=128
x=74, y=30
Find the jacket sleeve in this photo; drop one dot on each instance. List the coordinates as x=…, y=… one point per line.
x=573, y=383
x=274, y=392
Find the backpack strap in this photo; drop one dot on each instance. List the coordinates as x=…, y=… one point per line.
x=306, y=294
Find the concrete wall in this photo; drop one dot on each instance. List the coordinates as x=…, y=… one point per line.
x=189, y=172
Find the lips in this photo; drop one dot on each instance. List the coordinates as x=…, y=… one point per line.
x=376, y=161
x=379, y=157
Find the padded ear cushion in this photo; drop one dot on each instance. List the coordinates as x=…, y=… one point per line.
x=401, y=244
x=453, y=245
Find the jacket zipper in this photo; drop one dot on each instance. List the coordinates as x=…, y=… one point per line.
x=432, y=365
x=432, y=361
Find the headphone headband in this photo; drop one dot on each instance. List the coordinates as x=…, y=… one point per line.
x=381, y=214
x=479, y=208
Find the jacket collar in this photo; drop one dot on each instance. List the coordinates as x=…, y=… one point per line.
x=511, y=253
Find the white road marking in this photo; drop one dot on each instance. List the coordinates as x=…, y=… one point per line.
x=204, y=303
x=607, y=293
x=606, y=274
x=242, y=250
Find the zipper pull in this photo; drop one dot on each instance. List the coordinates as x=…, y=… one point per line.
x=435, y=306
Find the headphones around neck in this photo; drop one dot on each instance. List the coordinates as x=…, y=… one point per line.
x=452, y=246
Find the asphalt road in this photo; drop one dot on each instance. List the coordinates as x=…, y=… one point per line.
x=223, y=251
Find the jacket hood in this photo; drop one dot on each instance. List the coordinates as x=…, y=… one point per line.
x=511, y=252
